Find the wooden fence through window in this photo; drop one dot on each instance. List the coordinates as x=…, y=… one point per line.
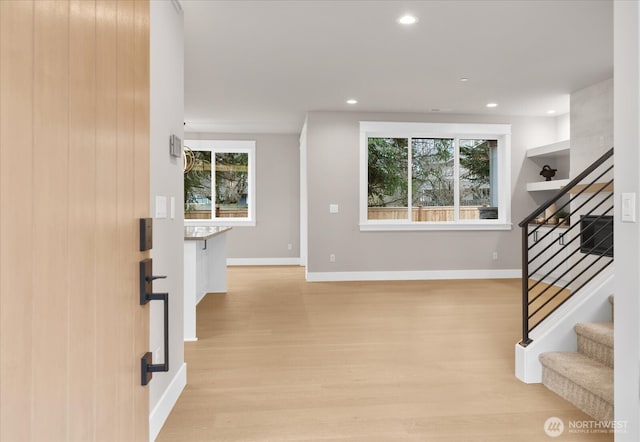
x=418, y=214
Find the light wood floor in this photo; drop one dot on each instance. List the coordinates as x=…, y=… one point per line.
x=279, y=359
x=544, y=299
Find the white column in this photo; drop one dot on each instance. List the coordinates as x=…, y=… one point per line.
x=627, y=235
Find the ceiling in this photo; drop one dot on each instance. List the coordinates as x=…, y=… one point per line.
x=260, y=66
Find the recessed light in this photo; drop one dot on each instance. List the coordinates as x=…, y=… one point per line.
x=492, y=104
x=407, y=20
x=551, y=111
x=464, y=79
x=352, y=101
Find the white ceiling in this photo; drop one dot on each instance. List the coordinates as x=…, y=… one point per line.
x=259, y=66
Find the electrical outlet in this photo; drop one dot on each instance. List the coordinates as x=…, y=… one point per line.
x=495, y=255
x=332, y=258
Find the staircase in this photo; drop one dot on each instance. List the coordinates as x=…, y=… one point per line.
x=560, y=259
x=565, y=279
x=585, y=377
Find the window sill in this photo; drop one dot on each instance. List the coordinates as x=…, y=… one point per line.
x=230, y=222
x=434, y=226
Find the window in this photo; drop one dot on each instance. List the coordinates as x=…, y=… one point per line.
x=434, y=176
x=219, y=182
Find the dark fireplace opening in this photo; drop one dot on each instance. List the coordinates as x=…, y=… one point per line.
x=596, y=235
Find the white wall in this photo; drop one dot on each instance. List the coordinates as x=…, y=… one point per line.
x=591, y=136
x=563, y=127
x=333, y=177
x=303, y=196
x=167, y=114
x=591, y=124
x=277, y=201
x=627, y=235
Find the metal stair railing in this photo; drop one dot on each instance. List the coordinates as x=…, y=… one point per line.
x=558, y=260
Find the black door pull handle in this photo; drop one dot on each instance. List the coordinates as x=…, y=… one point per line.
x=146, y=295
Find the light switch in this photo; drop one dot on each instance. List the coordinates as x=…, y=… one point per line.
x=334, y=208
x=161, y=206
x=628, y=208
x=172, y=207
x=175, y=146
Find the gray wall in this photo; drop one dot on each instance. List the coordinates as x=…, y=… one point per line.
x=627, y=235
x=167, y=114
x=333, y=163
x=277, y=198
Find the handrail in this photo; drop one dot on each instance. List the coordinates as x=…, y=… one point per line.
x=573, y=183
x=554, y=256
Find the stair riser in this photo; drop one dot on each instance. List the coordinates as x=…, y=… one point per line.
x=593, y=405
x=596, y=351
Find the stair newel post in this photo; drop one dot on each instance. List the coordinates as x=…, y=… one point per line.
x=525, y=286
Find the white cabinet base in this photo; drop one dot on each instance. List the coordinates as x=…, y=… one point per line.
x=205, y=271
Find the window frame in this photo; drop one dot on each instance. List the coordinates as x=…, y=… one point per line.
x=228, y=146
x=465, y=131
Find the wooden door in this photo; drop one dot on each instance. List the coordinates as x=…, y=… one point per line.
x=74, y=179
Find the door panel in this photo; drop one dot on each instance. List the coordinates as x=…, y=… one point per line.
x=50, y=219
x=74, y=179
x=124, y=326
x=16, y=219
x=141, y=182
x=82, y=220
x=106, y=220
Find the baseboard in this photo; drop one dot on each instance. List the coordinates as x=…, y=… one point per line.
x=263, y=261
x=413, y=275
x=161, y=411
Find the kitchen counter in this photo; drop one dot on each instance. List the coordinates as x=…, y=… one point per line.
x=205, y=269
x=194, y=233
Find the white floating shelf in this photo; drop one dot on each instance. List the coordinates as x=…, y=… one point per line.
x=553, y=150
x=547, y=185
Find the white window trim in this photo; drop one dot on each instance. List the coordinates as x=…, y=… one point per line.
x=233, y=146
x=501, y=132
